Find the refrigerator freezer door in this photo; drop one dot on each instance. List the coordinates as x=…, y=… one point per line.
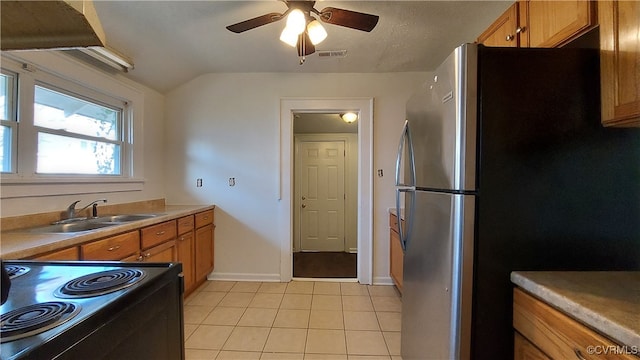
x=438, y=271
x=405, y=164
x=443, y=117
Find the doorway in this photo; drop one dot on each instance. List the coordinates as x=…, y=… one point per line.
x=325, y=208
x=364, y=107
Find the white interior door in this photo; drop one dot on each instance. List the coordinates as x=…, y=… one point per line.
x=322, y=195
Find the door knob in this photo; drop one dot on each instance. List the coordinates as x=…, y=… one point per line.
x=304, y=206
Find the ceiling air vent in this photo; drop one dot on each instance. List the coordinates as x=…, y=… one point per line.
x=332, y=53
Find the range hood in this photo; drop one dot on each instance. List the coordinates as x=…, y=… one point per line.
x=32, y=25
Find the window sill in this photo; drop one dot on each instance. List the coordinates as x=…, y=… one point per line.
x=18, y=188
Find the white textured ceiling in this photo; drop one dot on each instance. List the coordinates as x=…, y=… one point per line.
x=172, y=42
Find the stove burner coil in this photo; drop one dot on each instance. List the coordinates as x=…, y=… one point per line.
x=16, y=270
x=100, y=283
x=34, y=319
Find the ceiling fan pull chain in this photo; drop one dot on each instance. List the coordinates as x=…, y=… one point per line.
x=303, y=47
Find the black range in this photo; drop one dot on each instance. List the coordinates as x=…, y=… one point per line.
x=97, y=310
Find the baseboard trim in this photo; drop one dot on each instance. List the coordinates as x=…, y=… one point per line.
x=382, y=280
x=244, y=277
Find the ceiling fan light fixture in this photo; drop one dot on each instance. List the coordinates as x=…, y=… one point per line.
x=289, y=37
x=296, y=21
x=349, y=117
x=316, y=32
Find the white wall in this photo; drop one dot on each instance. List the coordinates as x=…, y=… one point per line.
x=227, y=125
x=151, y=134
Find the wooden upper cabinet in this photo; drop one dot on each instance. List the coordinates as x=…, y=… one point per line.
x=554, y=23
x=541, y=23
x=502, y=31
x=620, y=62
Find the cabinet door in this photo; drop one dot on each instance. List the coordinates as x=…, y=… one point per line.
x=620, y=62
x=503, y=31
x=71, y=253
x=396, y=258
x=165, y=252
x=204, y=251
x=185, y=256
x=553, y=23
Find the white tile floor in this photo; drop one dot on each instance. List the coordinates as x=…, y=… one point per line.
x=296, y=320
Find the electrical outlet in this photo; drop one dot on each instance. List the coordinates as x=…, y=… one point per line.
x=232, y=181
x=380, y=173
x=198, y=182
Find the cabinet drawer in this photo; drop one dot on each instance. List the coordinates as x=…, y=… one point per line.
x=113, y=248
x=157, y=234
x=185, y=224
x=64, y=254
x=204, y=218
x=556, y=334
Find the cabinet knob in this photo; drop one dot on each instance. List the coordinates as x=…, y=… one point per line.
x=304, y=206
x=140, y=258
x=521, y=29
x=160, y=233
x=509, y=37
x=114, y=248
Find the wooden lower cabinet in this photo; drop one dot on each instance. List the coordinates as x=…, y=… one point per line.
x=188, y=240
x=396, y=255
x=542, y=332
x=204, y=252
x=186, y=254
x=70, y=254
x=165, y=252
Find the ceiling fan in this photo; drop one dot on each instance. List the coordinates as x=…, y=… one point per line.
x=303, y=30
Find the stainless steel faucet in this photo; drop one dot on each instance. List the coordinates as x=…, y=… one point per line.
x=71, y=210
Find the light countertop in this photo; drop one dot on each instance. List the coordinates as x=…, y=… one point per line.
x=607, y=301
x=19, y=244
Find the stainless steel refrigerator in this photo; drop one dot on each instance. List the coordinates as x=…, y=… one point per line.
x=503, y=165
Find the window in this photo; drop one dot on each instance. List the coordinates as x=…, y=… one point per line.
x=83, y=130
x=67, y=128
x=7, y=121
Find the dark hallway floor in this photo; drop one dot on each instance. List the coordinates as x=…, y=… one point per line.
x=325, y=265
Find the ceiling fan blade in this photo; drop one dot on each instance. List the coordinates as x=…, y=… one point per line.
x=351, y=19
x=308, y=47
x=255, y=22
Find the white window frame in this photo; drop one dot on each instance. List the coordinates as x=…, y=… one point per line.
x=124, y=138
x=12, y=122
x=60, y=72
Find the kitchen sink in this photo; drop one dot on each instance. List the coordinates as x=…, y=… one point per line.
x=124, y=218
x=72, y=227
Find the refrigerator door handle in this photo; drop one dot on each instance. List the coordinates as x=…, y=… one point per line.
x=405, y=233
x=406, y=137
